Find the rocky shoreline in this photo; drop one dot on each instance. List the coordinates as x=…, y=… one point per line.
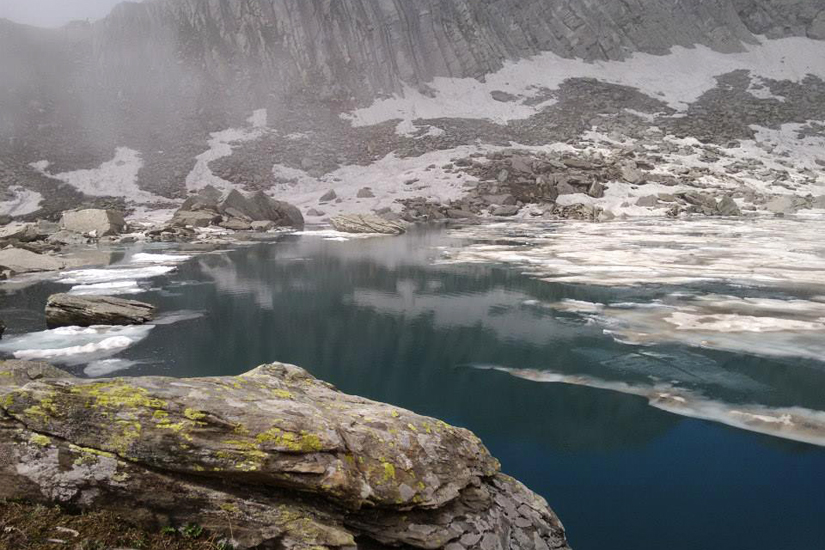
x=273, y=458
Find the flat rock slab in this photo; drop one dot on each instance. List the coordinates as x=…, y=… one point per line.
x=366, y=223
x=19, y=260
x=64, y=310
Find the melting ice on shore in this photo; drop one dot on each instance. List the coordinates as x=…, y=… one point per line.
x=74, y=345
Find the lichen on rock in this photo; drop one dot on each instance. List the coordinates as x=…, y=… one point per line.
x=280, y=454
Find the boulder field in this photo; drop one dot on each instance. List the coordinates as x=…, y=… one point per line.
x=273, y=458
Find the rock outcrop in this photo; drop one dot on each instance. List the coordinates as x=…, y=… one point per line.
x=63, y=310
x=366, y=223
x=234, y=210
x=95, y=222
x=274, y=457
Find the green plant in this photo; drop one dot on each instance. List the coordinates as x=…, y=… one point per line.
x=224, y=545
x=191, y=530
x=169, y=530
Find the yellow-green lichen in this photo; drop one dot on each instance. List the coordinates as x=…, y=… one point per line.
x=282, y=394
x=294, y=442
x=41, y=440
x=194, y=414
x=389, y=471
x=117, y=394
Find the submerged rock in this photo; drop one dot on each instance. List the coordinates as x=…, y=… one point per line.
x=284, y=458
x=366, y=223
x=2, y=328
x=101, y=223
x=64, y=310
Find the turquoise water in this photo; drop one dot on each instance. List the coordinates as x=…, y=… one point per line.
x=384, y=318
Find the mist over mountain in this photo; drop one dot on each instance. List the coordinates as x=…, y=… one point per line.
x=159, y=77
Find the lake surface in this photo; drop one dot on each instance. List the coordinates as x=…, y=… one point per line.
x=660, y=383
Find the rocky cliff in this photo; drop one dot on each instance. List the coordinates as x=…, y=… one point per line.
x=273, y=459
x=160, y=75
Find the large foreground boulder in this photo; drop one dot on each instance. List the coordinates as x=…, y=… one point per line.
x=366, y=223
x=98, y=222
x=64, y=310
x=18, y=261
x=274, y=457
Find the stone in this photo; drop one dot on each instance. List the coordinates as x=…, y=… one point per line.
x=507, y=210
x=579, y=164
x=503, y=97
x=596, y=190
x=564, y=188
x=195, y=218
x=728, y=207
x=64, y=237
x=313, y=213
x=782, y=205
x=648, y=201
x=330, y=195
x=458, y=214
x=18, y=232
x=631, y=174
x=365, y=193
x=263, y=226
x=2, y=328
x=103, y=223
x=64, y=310
x=818, y=202
x=503, y=176
x=366, y=223
x=236, y=224
x=282, y=459
x=21, y=261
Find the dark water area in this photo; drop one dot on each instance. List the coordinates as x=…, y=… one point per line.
x=378, y=318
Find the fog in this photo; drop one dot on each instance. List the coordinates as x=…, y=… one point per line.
x=54, y=13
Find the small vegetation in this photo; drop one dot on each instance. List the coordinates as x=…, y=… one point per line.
x=32, y=527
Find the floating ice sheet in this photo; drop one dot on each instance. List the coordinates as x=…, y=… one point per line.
x=794, y=423
x=74, y=345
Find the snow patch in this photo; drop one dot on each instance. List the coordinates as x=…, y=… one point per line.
x=23, y=201
x=115, y=178
x=678, y=78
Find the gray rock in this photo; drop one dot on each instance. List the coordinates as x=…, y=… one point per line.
x=64, y=237
x=18, y=232
x=195, y=218
x=263, y=226
x=503, y=97
x=506, y=211
x=458, y=214
x=631, y=174
x=503, y=176
x=648, y=201
x=330, y=195
x=818, y=202
x=728, y=207
x=236, y=224
x=564, y=188
x=289, y=459
x=782, y=205
x=366, y=223
x=365, y=193
x=101, y=223
x=22, y=261
x=64, y=310
x=313, y=213
x=596, y=190
x=2, y=328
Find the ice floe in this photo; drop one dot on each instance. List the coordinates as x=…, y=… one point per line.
x=793, y=423
x=74, y=345
x=105, y=367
